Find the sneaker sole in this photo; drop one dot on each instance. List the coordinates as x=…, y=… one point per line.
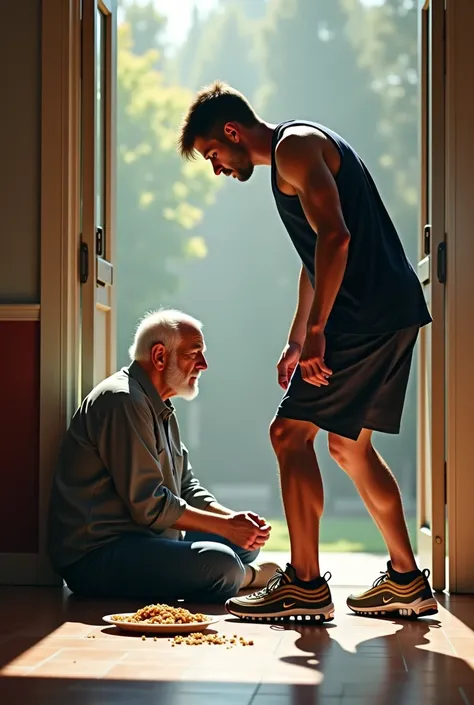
x=413, y=610
x=299, y=615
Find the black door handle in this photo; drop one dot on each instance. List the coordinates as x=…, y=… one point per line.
x=441, y=263
x=83, y=263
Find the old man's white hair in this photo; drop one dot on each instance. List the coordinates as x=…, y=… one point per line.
x=159, y=327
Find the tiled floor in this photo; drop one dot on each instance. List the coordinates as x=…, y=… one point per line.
x=48, y=657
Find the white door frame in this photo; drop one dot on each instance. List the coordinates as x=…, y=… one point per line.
x=59, y=301
x=60, y=316
x=460, y=292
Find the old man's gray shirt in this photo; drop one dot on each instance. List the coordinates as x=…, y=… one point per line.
x=122, y=469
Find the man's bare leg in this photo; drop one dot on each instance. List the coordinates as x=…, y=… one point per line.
x=300, y=591
x=380, y=492
x=302, y=489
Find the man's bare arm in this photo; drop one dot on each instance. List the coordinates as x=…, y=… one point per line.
x=300, y=162
x=300, y=320
x=219, y=509
x=204, y=520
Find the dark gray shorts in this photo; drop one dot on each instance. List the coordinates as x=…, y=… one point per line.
x=366, y=390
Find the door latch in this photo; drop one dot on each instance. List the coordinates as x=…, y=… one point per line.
x=99, y=241
x=427, y=239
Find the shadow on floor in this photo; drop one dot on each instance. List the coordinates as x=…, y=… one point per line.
x=395, y=669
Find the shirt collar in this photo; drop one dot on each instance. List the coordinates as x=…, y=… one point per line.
x=162, y=408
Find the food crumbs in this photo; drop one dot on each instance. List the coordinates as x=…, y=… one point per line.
x=198, y=638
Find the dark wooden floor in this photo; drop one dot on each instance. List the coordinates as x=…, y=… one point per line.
x=48, y=657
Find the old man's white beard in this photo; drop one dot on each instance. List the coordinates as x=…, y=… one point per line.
x=178, y=382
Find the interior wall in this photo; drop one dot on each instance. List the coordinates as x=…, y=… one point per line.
x=20, y=132
x=20, y=192
x=19, y=420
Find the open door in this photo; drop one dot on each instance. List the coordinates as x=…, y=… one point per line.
x=431, y=492
x=98, y=91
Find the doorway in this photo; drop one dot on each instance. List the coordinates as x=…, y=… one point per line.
x=181, y=239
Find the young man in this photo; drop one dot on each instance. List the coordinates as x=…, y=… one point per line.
x=128, y=517
x=346, y=364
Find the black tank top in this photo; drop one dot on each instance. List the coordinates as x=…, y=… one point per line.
x=380, y=291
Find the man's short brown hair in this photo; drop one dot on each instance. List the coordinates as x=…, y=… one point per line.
x=213, y=106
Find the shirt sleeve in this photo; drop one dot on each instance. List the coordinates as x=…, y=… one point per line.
x=127, y=445
x=191, y=489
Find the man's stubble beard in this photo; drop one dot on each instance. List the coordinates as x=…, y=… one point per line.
x=242, y=164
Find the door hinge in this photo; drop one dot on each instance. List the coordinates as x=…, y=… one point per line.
x=441, y=262
x=83, y=263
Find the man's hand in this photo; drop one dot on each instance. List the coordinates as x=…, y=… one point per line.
x=287, y=363
x=245, y=530
x=313, y=368
x=258, y=519
x=263, y=524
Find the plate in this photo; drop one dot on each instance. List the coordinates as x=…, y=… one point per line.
x=158, y=628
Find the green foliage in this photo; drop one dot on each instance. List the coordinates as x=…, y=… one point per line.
x=223, y=48
x=251, y=9
x=312, y=72
x=160, y=199
x=148, y=27
x=385, y=38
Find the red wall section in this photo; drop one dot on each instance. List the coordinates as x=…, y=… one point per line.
x=19, y=436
